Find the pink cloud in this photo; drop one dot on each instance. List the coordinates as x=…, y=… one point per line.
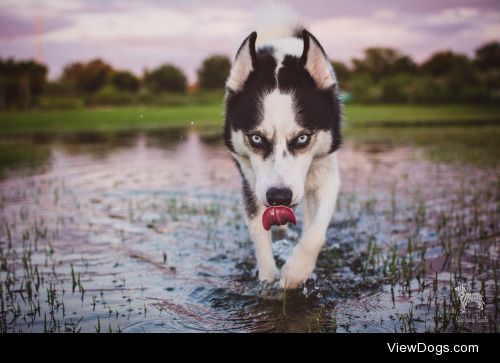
x=16, y=26
x=137, y=34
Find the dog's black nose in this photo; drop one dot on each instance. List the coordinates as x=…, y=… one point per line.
x=279, y=196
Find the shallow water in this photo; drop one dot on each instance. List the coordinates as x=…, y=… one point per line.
x=145, y=232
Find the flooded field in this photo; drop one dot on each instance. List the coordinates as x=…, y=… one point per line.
x=144, y=232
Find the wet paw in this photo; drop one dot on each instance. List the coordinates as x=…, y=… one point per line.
x=268, y=275
x=296, y=270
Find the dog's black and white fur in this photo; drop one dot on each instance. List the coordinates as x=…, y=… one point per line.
x=282, y=126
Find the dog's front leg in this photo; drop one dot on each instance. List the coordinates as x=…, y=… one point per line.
x=323, y=198
x=308, y=208
x=262, y=240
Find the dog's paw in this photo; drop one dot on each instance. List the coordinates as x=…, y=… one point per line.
x=296, y=270
x=268, y=275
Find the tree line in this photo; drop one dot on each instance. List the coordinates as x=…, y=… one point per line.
x=387, y=75
x=380, y=75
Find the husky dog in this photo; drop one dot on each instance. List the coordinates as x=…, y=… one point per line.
x=282, y=127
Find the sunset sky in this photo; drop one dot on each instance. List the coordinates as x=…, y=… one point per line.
x=136, y=34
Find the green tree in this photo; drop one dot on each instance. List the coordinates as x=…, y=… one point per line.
x=383, y=62
x=125, y=81
x=166, y=78
x=214, y=72
x=456, y=77
x=441, y=63
x=364, y=89
x=397, y=88
x=342, y=72
x=87, y=78
x=488, y=56
x=21, y=83
x=463, y=83
x=487, y=60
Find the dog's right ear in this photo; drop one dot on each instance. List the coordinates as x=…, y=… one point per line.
x=316, y=62
x=244, y=63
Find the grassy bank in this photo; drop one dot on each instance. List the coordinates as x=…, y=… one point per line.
x=457, y=145
x=447, y=133
x=420, y=115
x=148, y=118
x=109, y=119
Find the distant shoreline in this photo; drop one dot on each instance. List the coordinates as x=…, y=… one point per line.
x=137, y=118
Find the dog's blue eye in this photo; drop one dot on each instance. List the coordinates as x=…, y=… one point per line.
x=256, y=139
x=302, y=139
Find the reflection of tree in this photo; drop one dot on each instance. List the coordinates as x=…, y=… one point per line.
x=211, y=136
x=96, y=144
x=22, y=156
x=167, y=138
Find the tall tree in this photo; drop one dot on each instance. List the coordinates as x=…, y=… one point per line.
x=88, y=77
x=166, y=78
x=125, y=81
x=342, y=71
x=214, y=72
x=440, y=63
x=21, y=82
x=488, y=56
x=383, y=62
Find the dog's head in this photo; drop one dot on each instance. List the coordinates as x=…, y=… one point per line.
x=282, y=112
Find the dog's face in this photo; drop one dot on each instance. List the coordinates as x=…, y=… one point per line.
x=282, y=112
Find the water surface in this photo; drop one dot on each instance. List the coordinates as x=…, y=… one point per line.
x=142, y=232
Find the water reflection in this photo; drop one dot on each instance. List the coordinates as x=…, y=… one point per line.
x=145, y=232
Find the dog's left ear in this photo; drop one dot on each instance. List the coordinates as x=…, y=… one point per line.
x=244, y=63
x=315, y=61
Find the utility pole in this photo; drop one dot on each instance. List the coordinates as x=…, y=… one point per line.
x=38, y=37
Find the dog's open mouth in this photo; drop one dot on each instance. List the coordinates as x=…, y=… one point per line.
x=277, y=216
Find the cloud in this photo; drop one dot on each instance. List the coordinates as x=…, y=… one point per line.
x=450, y=20
x=386, y=14
x=461, y=29
x=152, y=23
x=137, y=33
x=344, y=37
x=16, y=26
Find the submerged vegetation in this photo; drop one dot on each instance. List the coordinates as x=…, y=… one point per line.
x=96, y=244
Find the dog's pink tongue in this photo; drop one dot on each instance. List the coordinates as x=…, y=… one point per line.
x=277, y=216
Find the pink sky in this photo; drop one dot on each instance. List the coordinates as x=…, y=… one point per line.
x=136, y=34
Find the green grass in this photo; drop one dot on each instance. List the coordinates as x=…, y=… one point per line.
x=448, y=133
x=211, y=114
x=415, y=115
x=109, y=119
